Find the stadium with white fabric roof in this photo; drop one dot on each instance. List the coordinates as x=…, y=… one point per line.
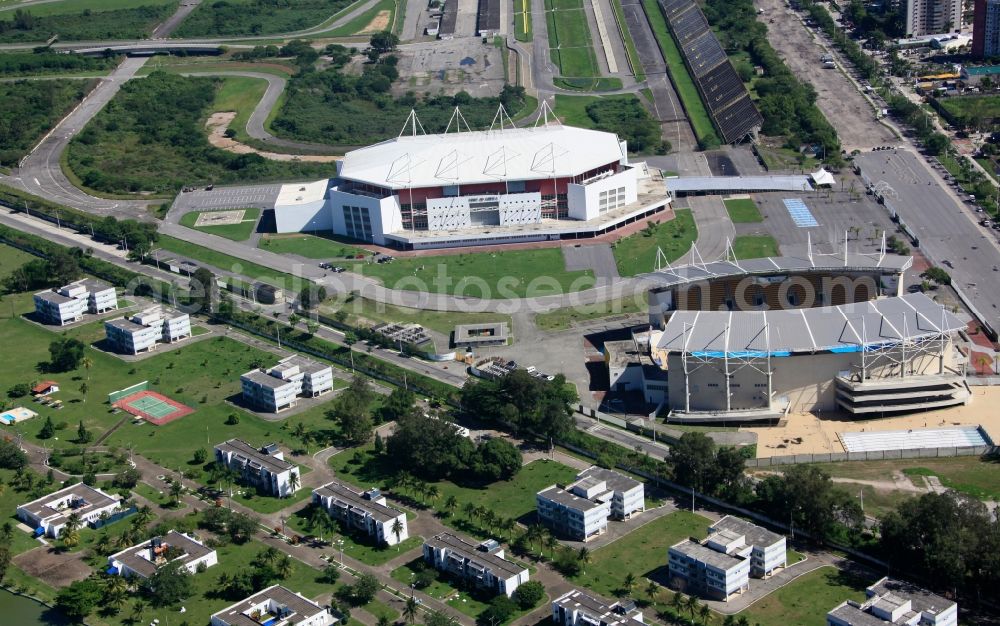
x=465, y=187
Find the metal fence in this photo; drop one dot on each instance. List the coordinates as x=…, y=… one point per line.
x=874, y=455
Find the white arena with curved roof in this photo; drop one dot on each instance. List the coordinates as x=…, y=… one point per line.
x=470, y=188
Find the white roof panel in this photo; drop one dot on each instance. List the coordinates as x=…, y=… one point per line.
x=481, y=157
x=302, y=193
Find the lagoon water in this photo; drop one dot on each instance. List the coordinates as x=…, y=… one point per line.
x=26, y=612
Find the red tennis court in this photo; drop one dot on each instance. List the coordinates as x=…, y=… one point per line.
x=153, y=407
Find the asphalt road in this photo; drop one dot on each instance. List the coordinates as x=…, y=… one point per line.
x=40, y=172
x=946, y=226
x=183, y=10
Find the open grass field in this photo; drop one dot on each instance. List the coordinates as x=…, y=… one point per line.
x=636, y=253
x=641, y=552
x=231, y=264
x=572, y=110
x=87, y=20
x=562, y=319
x=973, y=107
x=239, y=94
x=743, y=210
x=679, y=76
x=361, y=22
x=510, y=274
x=630, y=50
x=257, y=17
x=362, y=549
x=805, y=600
x=361, y=310
x=570, y=44
x=755, y=246
x=975, y=476
x=406, y=573
x=522, y=20
x=30, y=109
x=202, y=375
x=236, y=232
x=10, y=259
x=310, y=246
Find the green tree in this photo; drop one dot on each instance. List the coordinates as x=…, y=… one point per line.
x=936, y=144
x=400, y=402
x=203, y=289
x=169, y=584
x=12, y=457
x=438, y=618
x=497, y=459
x=365, y=588
x=629, y=584
x=65, y=354
x=410, y=610
x=82, y=434
x=312, y=296
x=48, y=429
x=80, y=598
x=397, y=530
x=383, y=41
x=693, y=460
x=450, y=504
x=529, y=594
x=200, y=456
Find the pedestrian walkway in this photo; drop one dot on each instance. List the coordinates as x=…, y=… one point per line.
x=800, y=213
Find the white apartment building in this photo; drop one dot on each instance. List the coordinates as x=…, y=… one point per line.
x=572, y=516
x=265, y=468
x=722, y=564
x=274, y=606
x=896, y=602
x=484, y=565
x=71, y=302
x=280, y=387
x=144, y=330
x=766, y=549
x=581, y=510
x=48, y=515
x=366, y=511
x=576, y=608
x=627, y=494
x=707, y=569
x=933, y=17
x=144, y=559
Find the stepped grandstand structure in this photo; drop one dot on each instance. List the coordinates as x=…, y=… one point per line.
x=756, y=339
x=727, y=99
x=466, y=188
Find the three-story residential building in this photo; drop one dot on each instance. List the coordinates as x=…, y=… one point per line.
x=484, y=565
x=264, y=468
x=366, y=511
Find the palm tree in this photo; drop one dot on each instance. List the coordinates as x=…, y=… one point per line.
x=87, y=363
x=383, y=620
x=410, y=610
x=470, y=510
x=137, y=610
x=729, y=621
x=320, y=520
x=268, y=555
x=397, y=529
x=743, y=621
x=143, y=516
x=116, y=590
x=176, y=489
x=536, y=532
x=70, y=537
x=704, y=614
x=551, y=543
x=481, y=513
x=489, y=519
x=677, y=603
x=283, y=568
x=583, y=558
x=691, y=605
x=103, y=544
x=507, y=525
x=450, y=504
x=84, y=388
x=293, y=481
x=651, y=590
x=629, y=583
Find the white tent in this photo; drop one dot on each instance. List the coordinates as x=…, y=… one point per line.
x=821, y=178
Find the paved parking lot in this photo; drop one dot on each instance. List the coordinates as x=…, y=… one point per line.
x=258, y=196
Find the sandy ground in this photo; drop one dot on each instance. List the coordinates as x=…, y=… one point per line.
x=379, y=23
x=217, y=124
x=819, y=433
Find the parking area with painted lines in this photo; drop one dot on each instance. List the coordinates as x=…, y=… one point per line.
x=225, y=198
x=800, y=213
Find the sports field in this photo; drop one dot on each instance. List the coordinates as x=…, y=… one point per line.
x=522, y=20
x=570, y=45
x=153, y=407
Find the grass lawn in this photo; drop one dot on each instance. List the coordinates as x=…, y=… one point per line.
x=642, y=552
x=636, y=254
x=310, y=246
x=228, y=263
x=239, y=94
x=569, y=39
x=572, y=110
x=362, y=22
x=380, y=609
x=522, y=20
x=12, y=258
x=806, y=600
x=562, y=319
x=514, y=498
x=679, y=75
x=510, y=274
x=406, y=573
x=743, y=210
x=79, y=6
x=236, y=232
x=361, y=310
x=247, y=17
x=976, y=476
x=755, y=246
x=466, y=603
x=630, y=50
x=982, y=107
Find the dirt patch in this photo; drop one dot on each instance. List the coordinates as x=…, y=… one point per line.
x=52, y=567
x=217, y=124
x=379, y=23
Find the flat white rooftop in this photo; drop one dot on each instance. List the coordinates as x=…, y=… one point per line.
x=411, y=161
x=302, y=193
